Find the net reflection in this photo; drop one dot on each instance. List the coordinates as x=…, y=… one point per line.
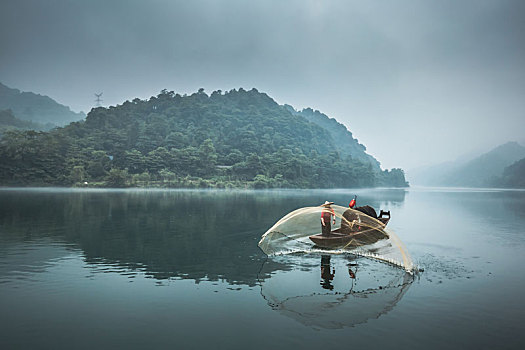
x=334, y=292
x=198, y=235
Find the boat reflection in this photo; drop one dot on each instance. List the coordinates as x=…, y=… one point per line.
x=339, y=300
x=198, y=235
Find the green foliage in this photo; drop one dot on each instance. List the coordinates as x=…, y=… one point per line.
x=234, y=139
x=117, y=178
x=9, y=122
x=78, y=174
x=343, y=139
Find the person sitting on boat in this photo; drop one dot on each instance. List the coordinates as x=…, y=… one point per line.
x=368, y=210
x=350, y=217
x=326, y=215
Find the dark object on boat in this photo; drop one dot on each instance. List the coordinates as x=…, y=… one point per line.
x=368, y=210
x=355, y=235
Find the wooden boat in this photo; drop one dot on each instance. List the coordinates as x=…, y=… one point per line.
x=354, y=237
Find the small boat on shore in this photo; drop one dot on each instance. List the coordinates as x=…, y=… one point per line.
x=354, y=234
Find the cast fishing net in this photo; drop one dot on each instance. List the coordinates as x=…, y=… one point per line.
x=332, y=291
x=353, y=231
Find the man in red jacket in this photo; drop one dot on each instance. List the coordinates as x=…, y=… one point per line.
x=326, y=218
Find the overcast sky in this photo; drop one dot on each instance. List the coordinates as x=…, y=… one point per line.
x=417, y=82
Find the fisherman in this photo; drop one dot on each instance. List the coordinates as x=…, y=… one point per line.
x=350, y=216
x=326, y=215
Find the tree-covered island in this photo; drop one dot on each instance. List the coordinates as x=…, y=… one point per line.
x=237, y=139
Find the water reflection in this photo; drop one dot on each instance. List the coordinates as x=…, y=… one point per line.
x=342, y=299
x=465, y=213
x=199, y=235
x=327, y=273
x=67, y=259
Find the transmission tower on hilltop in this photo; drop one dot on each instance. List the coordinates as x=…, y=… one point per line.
x=98, y=99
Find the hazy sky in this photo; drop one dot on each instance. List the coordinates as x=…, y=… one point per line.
x=417, y=82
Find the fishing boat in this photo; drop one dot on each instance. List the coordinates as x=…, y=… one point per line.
x=354, y=235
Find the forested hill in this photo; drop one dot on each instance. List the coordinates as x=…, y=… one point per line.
x=342, y=139
x=36, y=108
x=9, y=122
x=235, y=139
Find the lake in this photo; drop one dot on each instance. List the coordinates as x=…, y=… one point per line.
x=138, y=269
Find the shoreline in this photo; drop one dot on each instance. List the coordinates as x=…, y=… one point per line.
x=249, y=189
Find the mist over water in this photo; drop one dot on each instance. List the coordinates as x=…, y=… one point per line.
x=157, y=267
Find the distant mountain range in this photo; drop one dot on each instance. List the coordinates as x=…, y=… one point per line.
x=481, y=171
x=36, y=108
x=513, y=176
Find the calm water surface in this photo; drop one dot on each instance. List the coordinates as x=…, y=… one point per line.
x=181, y=269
